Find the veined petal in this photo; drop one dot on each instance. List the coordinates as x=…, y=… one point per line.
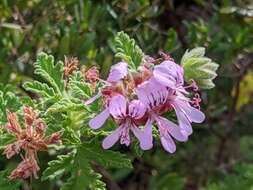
x=183, y=121
x=125, y=136
x=169, y=74
x=136, y=109
x=193, y=114
x=151, y=92
x=99, y=120
x=117, y=72
x=142, y=92
x=166, y=81
x=117, y=107
x=111, y=139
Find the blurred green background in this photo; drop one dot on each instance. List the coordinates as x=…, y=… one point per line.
x=219, y=154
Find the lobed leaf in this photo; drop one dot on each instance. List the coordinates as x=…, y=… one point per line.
x=51, y=72
x=8, y=100
x=107, y=158
x=39, y=88
x=77, y=86
x=128, y=50
x=83, y=176
x=79, y=164
x=199, y=68
x=6, y=184
x=58, y=167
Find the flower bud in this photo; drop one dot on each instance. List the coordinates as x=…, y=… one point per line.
x=199, y=68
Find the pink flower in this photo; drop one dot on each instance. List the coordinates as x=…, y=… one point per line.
x=167, y=130
x=169, y=74
x=160, y=99
x=127, y=117
x=117, y=72
x=155, y=97
x=186, y=114
x=145, y=95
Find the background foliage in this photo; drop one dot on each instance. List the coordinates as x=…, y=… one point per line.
x=218, y=155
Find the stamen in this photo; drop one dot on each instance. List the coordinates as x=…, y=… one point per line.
x=192, y=86
x=196, y=101
x=165, y=56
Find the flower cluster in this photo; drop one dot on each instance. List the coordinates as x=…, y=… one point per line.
x=29, y=140
x=138, y=100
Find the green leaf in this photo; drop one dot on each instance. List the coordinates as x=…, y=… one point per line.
x=128, y=50
x=172, y=42
x=5, y=138
x=51, y=72
x=83, y=177
x=11, y=26
x=67, y=104
x=39, y=88
x=106, y=158
x=70, y=137
x=136, y=148
x=8, y=100
x=194, y=53
x=199, y=68
x=77, y=86
x=6, y=184
x=79, y=163
x=58, y=167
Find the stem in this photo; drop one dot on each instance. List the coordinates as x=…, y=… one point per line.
x=107, y=178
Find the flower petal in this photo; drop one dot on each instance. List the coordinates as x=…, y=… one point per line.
x=145, y=137
x=193, y=114
x=125, y=136
x=92, y=99
x=173, y=130
x=117, y=72
x=169, y=74
x=151, y=92
x=99, y=120
x=137, y=109
x=168, y=144
x=183, y=121
x=117, y=107
x=111, y=139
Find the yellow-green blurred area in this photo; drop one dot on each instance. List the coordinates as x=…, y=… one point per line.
x=219, y=154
